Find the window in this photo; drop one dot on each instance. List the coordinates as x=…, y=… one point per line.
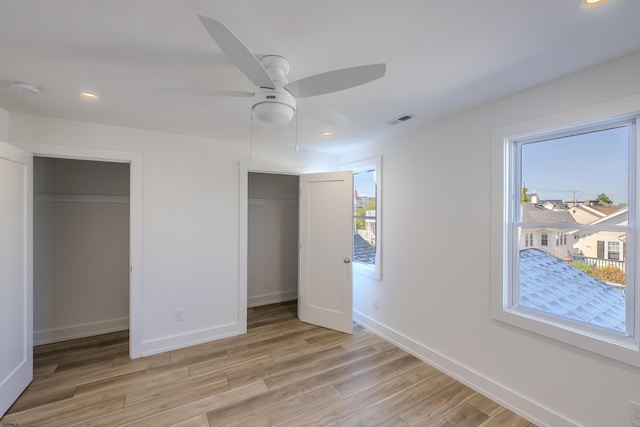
x=541, y=282
x=528, y=240
x=561, y=239
x=613, y=250
x=366, y=216
x=600, y=250
x=572, y=293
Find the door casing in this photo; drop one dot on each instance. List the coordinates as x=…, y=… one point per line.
x=135, y=222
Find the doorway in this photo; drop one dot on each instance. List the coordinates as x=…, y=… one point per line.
x=272, y=247
x=324, y=247
x=135, y=162
x=81, y=248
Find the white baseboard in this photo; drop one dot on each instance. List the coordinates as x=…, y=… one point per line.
x=174, y=342
x=506, y=397
x=258, y=300
x=160, y=345
x=48, y=336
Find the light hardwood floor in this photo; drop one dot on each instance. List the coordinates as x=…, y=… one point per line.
x=282, y=372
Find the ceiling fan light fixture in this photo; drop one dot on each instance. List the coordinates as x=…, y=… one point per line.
x=274, y=112
x=275, y=106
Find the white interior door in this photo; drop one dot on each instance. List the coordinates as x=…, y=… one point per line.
x=325, y=296
x=16, y=266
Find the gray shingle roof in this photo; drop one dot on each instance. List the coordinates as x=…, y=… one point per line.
x=362, y=251
x=536, y=213
x=553, y=286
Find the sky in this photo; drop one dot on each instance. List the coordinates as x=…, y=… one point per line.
x=364, y=184
x=588, y=164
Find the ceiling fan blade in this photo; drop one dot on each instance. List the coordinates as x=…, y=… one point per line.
x=237, y=52
x=207, y=92
x=321, y=113
x=333, y=81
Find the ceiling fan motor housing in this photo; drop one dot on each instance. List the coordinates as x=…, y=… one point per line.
x=275, y=106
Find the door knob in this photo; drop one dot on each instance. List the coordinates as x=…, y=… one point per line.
x=347, y=260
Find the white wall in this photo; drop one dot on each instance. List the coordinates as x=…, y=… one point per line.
x=272, y=238
x=81, y=248
x=190, y=221
x=80, y=177
x=434, y=296
x=4, y=125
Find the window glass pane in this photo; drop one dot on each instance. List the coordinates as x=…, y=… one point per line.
x=572, y=285
x=575, y=268
x=364, y=217
x=591, y=186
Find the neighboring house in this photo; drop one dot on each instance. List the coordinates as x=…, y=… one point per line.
x=369, y=232
x=556, y=287
x=360, y=201
x=583, y=214
x=554, y=205
x=604, y=245
x=547, y=239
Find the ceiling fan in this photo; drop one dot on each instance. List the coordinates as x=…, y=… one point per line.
x=274, y=100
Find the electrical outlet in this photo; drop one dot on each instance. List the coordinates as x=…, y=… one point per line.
x=178, y=315
x=635, y=413
x=375, y=303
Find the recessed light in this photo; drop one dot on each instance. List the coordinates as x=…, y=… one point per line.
x=593, y=3
x=89, y=95
x=327, y=133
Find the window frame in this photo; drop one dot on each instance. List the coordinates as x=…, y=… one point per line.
x=369, y=270
x=503, y=199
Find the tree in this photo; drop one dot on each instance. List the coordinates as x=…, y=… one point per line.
x=362, y=212
x=604, y=199
x=371, y=205
x=524, y=198
x=360, y=224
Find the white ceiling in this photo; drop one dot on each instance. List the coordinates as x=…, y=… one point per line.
x=442, y=57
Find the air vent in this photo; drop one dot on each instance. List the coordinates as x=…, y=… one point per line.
x=400, y=119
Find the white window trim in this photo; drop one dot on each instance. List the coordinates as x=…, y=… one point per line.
x=611, y=345
x=373, y=271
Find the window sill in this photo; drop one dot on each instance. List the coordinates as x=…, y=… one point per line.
x=604, y=343
x=366, y=270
